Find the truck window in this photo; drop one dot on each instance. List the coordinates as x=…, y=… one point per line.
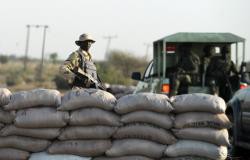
x=149, y=71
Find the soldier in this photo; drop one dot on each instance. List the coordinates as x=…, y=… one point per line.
x=187, y=68
x=79, y=69
x=221, y=67
x=209, y=51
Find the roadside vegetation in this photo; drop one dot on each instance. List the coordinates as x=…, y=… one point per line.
x=116, y=69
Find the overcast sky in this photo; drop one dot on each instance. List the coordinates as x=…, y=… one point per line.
x=135, y=22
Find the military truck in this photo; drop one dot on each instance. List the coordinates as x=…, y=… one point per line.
x=166, y=53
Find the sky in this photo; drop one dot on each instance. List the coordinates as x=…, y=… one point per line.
x=135, y=23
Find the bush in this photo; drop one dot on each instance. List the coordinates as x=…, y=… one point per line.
x=60, y=82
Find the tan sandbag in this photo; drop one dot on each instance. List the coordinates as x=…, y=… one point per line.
x=13, y=154
x=89, y=148
x=186, y=158
x=129, y=147
x=44, y=117
x=143, y=101
x=87, y=132
x=6, y=117
x=33, y=98
x=144, y=131
x=1, y=125
x=42, y=133
x=201, y=120
x=215, y=136
x=82, y=98
x=24, y=143
x=198, y=102
x=94, y=116
x=157, y=119
x=5, y=95
x=123, y=158
x=196, y=148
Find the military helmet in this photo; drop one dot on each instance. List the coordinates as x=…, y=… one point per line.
x=84, y=37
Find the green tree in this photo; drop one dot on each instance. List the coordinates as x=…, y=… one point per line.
x=53, y=57
x=4, y=59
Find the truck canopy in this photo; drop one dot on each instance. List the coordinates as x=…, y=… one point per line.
x=196, y=37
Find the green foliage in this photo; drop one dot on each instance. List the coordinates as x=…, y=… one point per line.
x=14, y=78
x=53, y=57
x=119, y=66
x=60, y=82
x=4, y=59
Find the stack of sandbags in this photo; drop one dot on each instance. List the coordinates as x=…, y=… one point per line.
x=145, y=134
x=200, y=126
x=36, y=122
x=6, y=117
x=92, y=122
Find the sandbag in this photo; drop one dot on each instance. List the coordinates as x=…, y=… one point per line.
x=42, y=133
x=93, y=116
x=4, y=96
x=13, y=154
x=87, y=132
x=196, y=148
x=129, y=147
x=1, y=125
x=186, y=158
x=215, y=136
x=33, y=98
x=6, y=117
x=82, y=98
x=198, y=102
x=87, y=148
x=143, y=101
x=201, y=120
x=143, y=131
x=46, y=156
x=123, y=158
x=44, y=117
x=24, y=143
x=157, y=119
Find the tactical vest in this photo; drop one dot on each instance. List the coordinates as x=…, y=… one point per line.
x=88, y=67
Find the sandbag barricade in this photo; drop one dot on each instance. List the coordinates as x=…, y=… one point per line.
x=35, y=123
x=145, y=133
x=200, y=126
x=92, y=123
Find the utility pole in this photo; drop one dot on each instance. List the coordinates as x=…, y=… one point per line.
x=43, y=48
x=109, y=38
x=26, y=48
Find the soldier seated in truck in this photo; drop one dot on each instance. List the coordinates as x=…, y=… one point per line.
x=187, y=68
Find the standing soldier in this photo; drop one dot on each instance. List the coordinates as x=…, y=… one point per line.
x=221, y=68
x=79, y=70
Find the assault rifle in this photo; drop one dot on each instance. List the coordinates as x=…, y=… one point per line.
x=89, y=79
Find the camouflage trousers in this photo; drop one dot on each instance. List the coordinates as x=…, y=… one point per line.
x=177, y=80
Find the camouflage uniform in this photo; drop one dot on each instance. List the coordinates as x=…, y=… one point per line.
x=83, y=60
x=219, y=70
x=187, y=68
